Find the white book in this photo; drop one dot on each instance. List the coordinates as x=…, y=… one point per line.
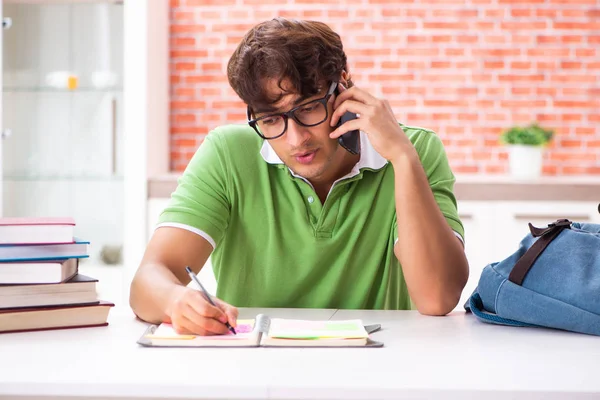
x=80, y=289
x=38, y=272
x=36, y=230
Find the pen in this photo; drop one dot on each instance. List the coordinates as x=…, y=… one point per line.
x=195, y=279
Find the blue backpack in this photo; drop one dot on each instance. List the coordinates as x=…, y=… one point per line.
x=552, y=280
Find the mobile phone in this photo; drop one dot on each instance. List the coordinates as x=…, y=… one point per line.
x=349, y=140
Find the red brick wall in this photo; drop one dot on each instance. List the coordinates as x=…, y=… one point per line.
x=465, y=68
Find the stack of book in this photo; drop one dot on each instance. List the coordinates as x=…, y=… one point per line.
x=40, y=287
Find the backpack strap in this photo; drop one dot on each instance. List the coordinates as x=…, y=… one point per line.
x=546, y=235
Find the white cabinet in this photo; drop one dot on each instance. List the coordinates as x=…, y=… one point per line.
x=478, y=220
x=62, y=79
x=86, y=95
x=493, y=229
x=155, y=207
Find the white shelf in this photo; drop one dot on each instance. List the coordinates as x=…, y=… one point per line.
x=84, y=178
x=48, y=89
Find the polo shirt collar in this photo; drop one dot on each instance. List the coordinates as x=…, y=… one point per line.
x=369, y=158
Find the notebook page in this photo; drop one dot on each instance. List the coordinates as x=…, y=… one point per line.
x=302, y=329
x=166, y=331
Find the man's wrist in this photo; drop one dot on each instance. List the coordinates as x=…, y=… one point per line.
x=405, y=157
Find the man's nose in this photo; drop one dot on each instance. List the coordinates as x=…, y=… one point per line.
x=296, y=134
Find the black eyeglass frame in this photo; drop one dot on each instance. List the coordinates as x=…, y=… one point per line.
x=290, y=114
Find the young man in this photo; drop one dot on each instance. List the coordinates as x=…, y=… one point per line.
x=291, y=217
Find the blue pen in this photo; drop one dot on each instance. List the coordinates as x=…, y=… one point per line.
x=195, y=279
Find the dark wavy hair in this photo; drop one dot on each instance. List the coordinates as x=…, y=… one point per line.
x=307, y=53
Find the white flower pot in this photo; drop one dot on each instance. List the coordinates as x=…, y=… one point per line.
x=525, y=162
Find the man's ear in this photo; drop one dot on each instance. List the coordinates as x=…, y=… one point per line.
x=346, y=79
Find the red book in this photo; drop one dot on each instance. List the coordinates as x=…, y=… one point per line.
x=31, y=230
x=54, y=317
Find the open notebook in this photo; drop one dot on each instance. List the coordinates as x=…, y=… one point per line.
x=270, y=332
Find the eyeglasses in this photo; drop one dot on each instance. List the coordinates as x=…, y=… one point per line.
x=309, y=114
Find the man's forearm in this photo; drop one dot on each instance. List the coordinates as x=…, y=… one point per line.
x=152, y=291
x=433, y=261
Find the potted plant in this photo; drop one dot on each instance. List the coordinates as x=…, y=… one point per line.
x=526, y=145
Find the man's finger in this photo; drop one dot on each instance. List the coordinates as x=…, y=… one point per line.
x=349, y=105
x=210, y=326
x=355, y=124
x=184, y=326
x=229, y=310
x=232, y=315
x=202, y=326
x=202, y=307
x=353, y=93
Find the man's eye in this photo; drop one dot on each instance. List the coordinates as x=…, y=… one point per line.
x=309, y=108
x=270, y=121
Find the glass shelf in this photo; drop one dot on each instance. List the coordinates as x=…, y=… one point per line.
x=73, y=178
x=62, y=84
x=48, y=89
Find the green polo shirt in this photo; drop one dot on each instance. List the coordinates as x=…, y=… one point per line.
x=275, y=243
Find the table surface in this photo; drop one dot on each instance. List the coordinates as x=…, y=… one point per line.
x=424, y=357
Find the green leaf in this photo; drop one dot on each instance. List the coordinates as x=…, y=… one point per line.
x=531, y=135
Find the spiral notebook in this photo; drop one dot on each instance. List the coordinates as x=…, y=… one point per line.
x=270, y=332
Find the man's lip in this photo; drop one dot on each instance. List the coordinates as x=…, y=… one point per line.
x=303, y=154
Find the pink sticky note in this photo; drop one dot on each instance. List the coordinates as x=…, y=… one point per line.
x=243, y=328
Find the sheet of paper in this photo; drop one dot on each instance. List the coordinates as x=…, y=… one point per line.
x=302, y=329
x=243, y=329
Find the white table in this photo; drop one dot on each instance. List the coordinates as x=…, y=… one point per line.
x=424, y=357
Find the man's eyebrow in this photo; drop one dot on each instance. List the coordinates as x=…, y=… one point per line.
x=301, y=100
x=274, y=110
x=269, y=110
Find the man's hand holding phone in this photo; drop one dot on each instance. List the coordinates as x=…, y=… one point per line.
x=190, y=312
x=376, y=119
